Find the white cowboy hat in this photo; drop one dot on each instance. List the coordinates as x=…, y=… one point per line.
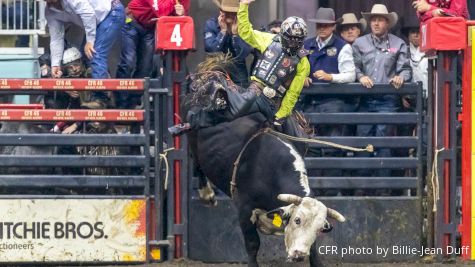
x=350, y=19
x=381, y=10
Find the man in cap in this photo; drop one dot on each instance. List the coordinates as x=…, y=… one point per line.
x=331, y=61
x=280, y=72
x=380, y=57
x=221, y=35
x=350, y=27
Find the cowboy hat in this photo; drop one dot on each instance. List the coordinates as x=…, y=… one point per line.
x=350, y=19
x=381, y=10
x=325, y=16
x=228, y=5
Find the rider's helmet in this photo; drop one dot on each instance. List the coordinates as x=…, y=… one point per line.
x=293, y=33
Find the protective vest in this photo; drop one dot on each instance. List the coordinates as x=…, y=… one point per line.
x=275, y=68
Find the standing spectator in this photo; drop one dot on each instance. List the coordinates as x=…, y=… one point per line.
x=427, y=9
x=138, y=41
x=331, y=61
x=350, y=27
x=380, y=57
x=221, y=35
x=102, y=21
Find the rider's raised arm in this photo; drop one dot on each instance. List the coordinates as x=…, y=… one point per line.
x=292, y=95
x=257, y=39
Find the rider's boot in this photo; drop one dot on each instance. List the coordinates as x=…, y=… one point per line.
x=179, y=129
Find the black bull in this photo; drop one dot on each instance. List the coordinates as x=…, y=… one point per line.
x=265, y=170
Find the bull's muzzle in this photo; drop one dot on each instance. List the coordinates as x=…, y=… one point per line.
x=296, y=256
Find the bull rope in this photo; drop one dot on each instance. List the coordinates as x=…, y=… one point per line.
x=164, y=157
x=233, y=185
x=368, y=148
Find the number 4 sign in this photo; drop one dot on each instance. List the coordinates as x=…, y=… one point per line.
x=174, y=33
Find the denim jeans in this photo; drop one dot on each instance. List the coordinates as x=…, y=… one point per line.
x=107, y=33
x=136, y=59
x=17, y=19
x=377, y=130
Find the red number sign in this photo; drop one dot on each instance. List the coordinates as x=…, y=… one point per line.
x=175, y=33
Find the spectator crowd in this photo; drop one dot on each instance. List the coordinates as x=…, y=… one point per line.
x=346, y=49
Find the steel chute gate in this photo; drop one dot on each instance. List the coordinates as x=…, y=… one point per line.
x=71, y=204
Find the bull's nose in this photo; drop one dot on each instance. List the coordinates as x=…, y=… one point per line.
x=296, y=256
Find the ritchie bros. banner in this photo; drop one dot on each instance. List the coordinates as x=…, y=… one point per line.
x=47, y=230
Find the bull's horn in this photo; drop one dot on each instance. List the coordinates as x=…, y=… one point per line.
x=289, y=198
x=335, y=215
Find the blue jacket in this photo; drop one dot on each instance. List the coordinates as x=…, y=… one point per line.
x=325, y=59
x=215, y=41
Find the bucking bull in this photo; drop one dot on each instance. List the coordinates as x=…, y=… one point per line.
x=270, y=186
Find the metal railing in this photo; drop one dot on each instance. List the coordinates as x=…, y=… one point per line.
x=411, y=163
x=22, y=17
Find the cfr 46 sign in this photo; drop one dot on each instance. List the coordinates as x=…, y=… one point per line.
x=174, y=33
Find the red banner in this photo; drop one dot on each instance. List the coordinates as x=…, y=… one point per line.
x=71, y=115
x=72, y=84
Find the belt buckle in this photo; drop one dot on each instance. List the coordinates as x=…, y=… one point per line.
x=269, y=92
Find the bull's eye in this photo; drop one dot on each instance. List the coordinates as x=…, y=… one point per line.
x=297, y=221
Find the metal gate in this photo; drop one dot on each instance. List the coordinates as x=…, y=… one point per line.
x=68, y=197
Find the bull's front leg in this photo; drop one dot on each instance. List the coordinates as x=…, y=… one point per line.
x=251, y=237
x=314, y=257
x=205, y=190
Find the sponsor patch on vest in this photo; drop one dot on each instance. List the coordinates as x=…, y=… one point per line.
x=208, y=35
x=331, y=52
x=262, y=73
x=282, y=89
x=269, y=54
x=281, y=73
x=272, y=79
x=265, y=64
x=286, y=62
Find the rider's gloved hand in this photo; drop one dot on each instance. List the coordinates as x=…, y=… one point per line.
x=278, y=121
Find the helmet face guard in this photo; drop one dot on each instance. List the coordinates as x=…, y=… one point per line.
x=291, y=44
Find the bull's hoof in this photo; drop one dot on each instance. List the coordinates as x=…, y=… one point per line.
x=207, y=195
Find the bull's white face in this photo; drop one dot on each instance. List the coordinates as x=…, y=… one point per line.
x=306, y=217
x=305, y=222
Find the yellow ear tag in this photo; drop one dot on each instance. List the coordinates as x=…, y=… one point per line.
x=277, y=220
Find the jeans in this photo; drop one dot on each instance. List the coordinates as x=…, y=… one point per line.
x=17, y=19
x=377, y=130
x=107, y=33
x=136, y=59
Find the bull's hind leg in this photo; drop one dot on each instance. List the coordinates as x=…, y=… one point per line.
x=251, y=237
x=314, y=257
